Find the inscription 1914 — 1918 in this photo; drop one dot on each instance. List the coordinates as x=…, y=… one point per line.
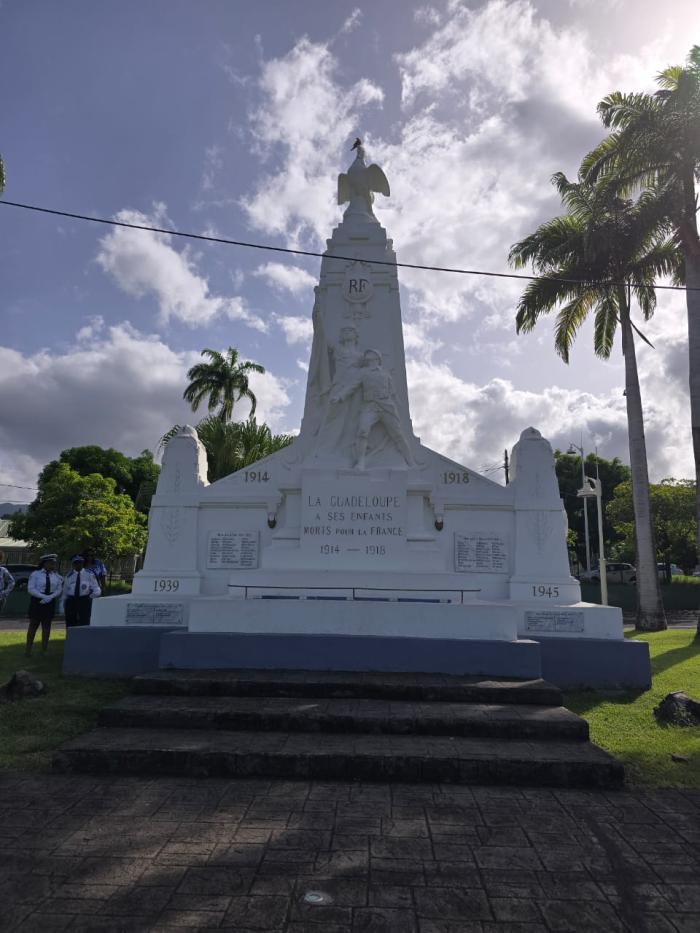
x=354, y=523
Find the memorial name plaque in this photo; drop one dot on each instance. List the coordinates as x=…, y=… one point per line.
x=546, y=620
x=353, y=521
x=480, y=554
x=233, y=550
x=155, y=614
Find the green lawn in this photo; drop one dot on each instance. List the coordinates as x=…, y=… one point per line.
x=30, y=730
x=625, y=724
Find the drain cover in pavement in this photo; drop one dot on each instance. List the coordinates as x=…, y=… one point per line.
x=317, y=898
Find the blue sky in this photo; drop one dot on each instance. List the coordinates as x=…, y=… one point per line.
x=234, y=118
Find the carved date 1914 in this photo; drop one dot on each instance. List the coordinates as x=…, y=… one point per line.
x=256, y=476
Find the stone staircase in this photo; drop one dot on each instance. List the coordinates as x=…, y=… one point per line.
x=348, y=726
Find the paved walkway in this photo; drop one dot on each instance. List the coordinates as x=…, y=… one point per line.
x=83, y=854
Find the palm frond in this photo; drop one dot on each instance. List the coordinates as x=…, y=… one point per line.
x=605, y=325
x=540, y=297
x=568, y=322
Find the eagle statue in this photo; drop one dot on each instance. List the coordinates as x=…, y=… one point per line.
x=359, y=182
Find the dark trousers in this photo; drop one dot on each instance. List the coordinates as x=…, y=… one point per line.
x=78, y=609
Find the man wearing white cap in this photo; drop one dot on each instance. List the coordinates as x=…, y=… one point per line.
x=79, y=589
x=43, y=586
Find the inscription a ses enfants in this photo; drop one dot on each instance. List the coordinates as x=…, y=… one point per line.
x=340, y=515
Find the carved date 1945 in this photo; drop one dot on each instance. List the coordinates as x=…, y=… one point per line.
x=546, y=592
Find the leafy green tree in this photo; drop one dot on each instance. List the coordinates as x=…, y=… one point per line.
x=232, y=445
x=223, y=381
x=135, y=476
x=604, y=238
x=673, y=515
x=612, y=473
x=72, y=512
x=656, y=139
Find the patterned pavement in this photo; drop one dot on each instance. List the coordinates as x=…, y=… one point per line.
x=99, y=854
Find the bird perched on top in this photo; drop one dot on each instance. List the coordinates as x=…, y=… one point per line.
x=357, y=184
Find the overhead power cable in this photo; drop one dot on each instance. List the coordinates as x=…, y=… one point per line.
x=15, y=486
x=306, y=252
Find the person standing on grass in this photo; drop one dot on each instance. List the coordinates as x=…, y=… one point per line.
x=7, y=582
x=44, y=586
x=79, y=589
x=95, y=566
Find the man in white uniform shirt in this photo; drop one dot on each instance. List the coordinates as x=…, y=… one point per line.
x=43, y=586
x=79, y=589
x=7, y=582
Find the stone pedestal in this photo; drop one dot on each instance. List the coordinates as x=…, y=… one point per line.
x=357, y=545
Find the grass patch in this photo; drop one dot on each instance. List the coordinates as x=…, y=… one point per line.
x=30, y=730
x=625, y=725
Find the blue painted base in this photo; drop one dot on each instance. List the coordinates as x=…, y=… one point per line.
x=194, y=650
x=112, y=651
x=595, y=663
x=568, y=663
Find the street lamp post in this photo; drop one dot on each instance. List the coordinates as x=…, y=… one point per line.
x=593, y=487
x=572, y=448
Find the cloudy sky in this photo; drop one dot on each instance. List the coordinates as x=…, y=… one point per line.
x=234, y=118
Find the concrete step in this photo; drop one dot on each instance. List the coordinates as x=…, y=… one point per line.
x=304, y=714
x=203, y=753
x=344, y=685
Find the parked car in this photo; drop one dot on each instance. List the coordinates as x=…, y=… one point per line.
x=676, y=571
x=616, y=572
x=21, y=573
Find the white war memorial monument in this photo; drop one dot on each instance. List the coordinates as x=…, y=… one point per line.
x=357, y=548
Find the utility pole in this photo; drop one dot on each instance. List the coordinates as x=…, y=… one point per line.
x=572, y=449
x=505, y=466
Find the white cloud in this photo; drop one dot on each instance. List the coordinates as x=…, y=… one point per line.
x=532, y=56
x=474, y=424
x=286, y=277
x=145, y=263
x=304, y=119
x=351, y=22
x=213, y=163
x=89, y=331
x=134, y=384
x=296, y=329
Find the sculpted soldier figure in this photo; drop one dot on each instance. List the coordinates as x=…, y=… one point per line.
x=377, y=406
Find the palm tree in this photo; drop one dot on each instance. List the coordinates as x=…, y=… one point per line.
x=224, y=380
x=656, y=138
x=603, y=238
x=232, y=445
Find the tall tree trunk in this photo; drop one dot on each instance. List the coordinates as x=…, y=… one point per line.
x=650, y=608
x=692, y=278
x=690, y=242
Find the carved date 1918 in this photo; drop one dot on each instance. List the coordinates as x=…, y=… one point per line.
x=452, y=477
x=166, y=586
x=546, y=592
